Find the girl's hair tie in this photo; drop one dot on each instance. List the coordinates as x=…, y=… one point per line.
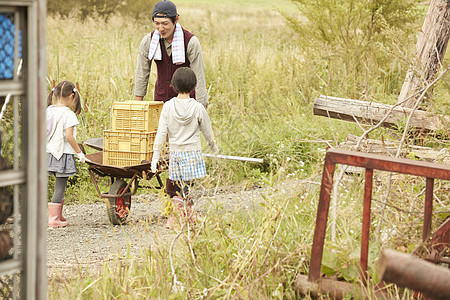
x=53, y=89
x=75, y=90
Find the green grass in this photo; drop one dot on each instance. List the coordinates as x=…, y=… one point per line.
x=262, y=82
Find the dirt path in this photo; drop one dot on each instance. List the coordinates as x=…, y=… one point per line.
x=90, y=239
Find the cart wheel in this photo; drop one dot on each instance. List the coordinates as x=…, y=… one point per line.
x=118, y=207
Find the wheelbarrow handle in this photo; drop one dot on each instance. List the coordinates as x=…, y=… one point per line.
x=230, y=157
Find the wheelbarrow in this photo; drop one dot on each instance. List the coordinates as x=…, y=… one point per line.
x=118, y=198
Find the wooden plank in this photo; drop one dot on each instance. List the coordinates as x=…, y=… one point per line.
x=12, y=87
x=372, y=113
x=389, y=147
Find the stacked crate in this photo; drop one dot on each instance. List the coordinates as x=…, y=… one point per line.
x=134, y=126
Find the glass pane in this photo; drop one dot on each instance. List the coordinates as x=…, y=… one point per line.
x=8, y=45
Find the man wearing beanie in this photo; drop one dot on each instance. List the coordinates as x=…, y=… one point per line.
x=171, y=47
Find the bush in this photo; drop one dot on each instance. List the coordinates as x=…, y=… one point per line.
x=103, y=9
x=348, y=42
x=350, y=26
x=61, y=8
x=139, y=10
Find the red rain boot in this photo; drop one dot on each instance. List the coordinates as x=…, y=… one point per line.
x=54, y=217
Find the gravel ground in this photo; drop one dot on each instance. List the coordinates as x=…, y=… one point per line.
x=90, y=239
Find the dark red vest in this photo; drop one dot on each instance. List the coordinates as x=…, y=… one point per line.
x=165, y=70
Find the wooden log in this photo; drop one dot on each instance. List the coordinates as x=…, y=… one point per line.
x=372, y=113
x=411, y=272
x=430, y=50
x=388, y=147
x=324, y=287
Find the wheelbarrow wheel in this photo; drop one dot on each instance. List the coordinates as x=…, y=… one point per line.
x=119, y=207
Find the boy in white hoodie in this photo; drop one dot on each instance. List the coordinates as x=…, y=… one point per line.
x=182, y=118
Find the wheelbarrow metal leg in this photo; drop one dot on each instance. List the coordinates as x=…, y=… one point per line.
x=95, y=183
x=101, y=195
x=128, y=186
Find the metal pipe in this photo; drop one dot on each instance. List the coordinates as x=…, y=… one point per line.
x=321, y=219
x=428, y=210
x=230, y=157
x=408, y=271
x=365, y=232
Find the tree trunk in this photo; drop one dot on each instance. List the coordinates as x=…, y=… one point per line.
x=430, y=48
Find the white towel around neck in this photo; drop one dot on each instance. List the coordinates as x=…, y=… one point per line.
x=178, y=54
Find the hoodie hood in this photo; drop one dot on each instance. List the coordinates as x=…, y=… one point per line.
x=184, y=111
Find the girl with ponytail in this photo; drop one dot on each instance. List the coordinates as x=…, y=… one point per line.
x=62, y=146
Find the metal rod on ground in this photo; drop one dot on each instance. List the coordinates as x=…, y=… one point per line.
x=230, y=157
x=408, y=271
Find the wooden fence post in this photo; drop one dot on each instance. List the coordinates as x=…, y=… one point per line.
x=430, y=49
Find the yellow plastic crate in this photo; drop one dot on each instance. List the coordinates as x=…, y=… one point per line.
x=139, y=116
x=122, y=148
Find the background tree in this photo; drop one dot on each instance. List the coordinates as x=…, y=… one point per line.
x=103, y=9
x=351, y=40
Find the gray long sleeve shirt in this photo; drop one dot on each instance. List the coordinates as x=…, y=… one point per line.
x=194, y=55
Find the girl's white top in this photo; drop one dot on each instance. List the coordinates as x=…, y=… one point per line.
x=58, y=120
x=182, y=120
